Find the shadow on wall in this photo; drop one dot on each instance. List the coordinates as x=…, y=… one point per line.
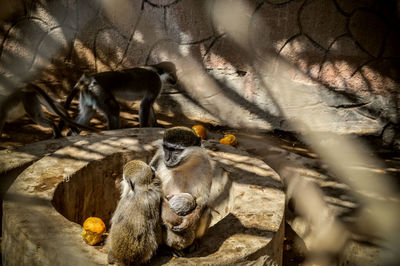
x=51, y=44
x=338, y=75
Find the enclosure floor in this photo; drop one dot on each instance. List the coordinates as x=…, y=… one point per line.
x=24, y=131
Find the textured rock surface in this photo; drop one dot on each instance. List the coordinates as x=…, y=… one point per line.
x=80, y=180
x=336, y=48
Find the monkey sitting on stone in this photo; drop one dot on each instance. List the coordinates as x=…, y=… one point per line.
x=183, y=167
x=29, y=100
x=98, y=92
x=135, y=225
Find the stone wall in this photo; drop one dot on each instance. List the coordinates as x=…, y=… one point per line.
x=343, y=56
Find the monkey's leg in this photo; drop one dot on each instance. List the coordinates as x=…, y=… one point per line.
x=152, y=118
x=110, y=109
x=204, y=223
x=178, y=253
x=3, y=115
x=33, y=108
x=146, y=113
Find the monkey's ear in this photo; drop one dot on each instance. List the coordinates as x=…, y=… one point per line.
x=172, y=79
x=131, y=184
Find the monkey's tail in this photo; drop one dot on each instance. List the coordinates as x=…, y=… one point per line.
x=64, y=115
x=70, y=97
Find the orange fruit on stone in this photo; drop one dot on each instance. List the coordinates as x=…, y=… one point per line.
x=229, y=139
x=200, y=131
x=93, y=229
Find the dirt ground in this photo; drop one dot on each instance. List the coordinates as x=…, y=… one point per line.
x=24, y=131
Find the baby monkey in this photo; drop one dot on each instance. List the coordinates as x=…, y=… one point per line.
x=180, y=204
x=136, y=226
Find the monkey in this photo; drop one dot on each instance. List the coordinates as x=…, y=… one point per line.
x=135, y=225
x=183, y=167
x=28, y=100
x=98, y=92
x=181, y=203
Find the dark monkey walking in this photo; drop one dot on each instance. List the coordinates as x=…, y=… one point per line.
x=98, y=92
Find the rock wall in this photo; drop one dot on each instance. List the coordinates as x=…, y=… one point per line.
x=343, y=56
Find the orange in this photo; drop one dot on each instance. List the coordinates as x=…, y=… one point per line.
x=229, y=139
x=200, y=131
x=93, y=229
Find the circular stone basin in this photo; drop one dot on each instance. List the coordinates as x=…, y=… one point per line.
x=47, y=204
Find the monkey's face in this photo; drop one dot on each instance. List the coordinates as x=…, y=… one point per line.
x=94, y=87
x=172, y=154
x=83, y=82
x=170, y=70
x=176, y=141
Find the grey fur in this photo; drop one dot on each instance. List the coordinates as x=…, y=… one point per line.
x=191, y=174
x=136, y=226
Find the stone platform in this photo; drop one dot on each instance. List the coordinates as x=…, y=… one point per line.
x=46, y=205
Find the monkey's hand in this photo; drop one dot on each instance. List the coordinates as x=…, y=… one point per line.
x=168, y=216
x=110, y=258
x=188, y=221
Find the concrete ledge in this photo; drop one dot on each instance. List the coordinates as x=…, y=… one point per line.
x=46, y=205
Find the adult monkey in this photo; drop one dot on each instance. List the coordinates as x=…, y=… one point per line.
x=98, y=92
x=183, y=167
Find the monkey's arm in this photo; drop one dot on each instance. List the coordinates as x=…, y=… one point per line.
x=168, y=216
x=156, y=159
x=110, y=255
x=193, y=217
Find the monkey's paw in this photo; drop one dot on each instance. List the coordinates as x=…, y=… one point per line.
x=182, y=227
x=177, y=228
